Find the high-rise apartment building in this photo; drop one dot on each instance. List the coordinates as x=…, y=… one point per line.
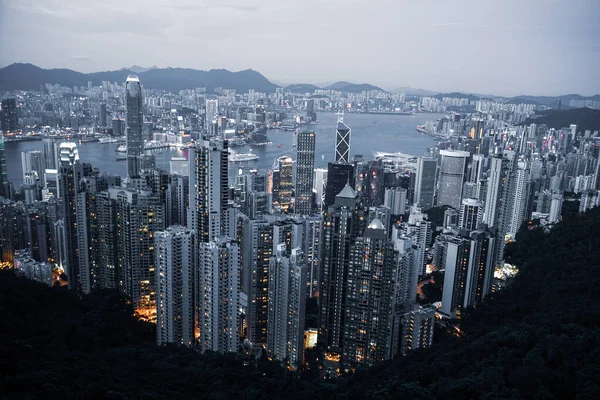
x=174, y=255
x=8, y=115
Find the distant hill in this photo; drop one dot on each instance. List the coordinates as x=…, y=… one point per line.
x=409, y=90
x=137, y=69
x=28, y=77
x=584, y=118
x=551, y=100
x=302, y=88
x=348, y=87
x=459, y=95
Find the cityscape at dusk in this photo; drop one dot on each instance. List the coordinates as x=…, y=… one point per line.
x=284, y=229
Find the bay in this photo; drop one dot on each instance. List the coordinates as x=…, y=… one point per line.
x=370, y=133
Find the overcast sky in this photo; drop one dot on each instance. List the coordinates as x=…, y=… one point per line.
x=505, y=47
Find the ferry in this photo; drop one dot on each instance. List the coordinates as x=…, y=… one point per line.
x=110, y=140
x=242, y=157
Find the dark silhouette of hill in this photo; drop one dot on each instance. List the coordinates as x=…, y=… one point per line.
x=29, y=77
x=537, y=339
x=585, y=118
x=348, y=87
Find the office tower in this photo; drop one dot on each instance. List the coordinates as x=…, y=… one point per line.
x=417, y=328
x=369, y=297
x=305, y=165
x=455, y=260
x=342, y=141
x=425, y=182
x=175, y=262
x=209, y=191
x=395, y=200
x=338, y=176
x=107, y=244
x=362, y=180
x=179, y=166
x=69, y=176
x=286, y=300
x=482, y=262
x=453, y=165
x=135, y=122
x=217, y=295
x=8, y=115
x=285, y=184
x=212, y=111
x=4, y=186
x=555, y=208
x=471, y=214
x=310, y=110
x=139, y=214
x=50, y=152
x=260, y=116
x=33, y=161
x=320, y=179
x=342, y=224
x=102, y=115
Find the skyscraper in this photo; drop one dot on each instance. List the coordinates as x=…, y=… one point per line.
x=33, y=161
x=217, y=295
x=453, y=165
x=287, y=292
x=425, y=182
x=4, y=188
x=175, y=263
x=338, y=176
x=8, y=115
x=285, y=184
x=139, y=214
x=471, y=214
x=305, y=164
x=342, y=141
x=209, y=192
x=456, y=264
x=212, y=110
x=135, y=123
x=70, y=173
x=369, y=297
x=320, y=180
x=343, y=223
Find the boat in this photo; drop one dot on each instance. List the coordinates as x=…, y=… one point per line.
x=121, y=149
x=278, y=145
x=110, y=140
x=242, y=157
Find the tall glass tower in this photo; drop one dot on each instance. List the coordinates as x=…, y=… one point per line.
x=342, y=141
x=135, y=122
x=305, y=172
x=4, y=191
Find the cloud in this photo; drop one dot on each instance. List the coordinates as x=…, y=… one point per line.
x=80, y=58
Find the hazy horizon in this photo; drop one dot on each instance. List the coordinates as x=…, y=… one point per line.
x=503, y=48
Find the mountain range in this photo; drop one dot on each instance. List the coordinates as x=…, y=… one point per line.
x=21, y=76
x=29, y=77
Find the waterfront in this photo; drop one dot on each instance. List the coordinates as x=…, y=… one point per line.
x=393, y=133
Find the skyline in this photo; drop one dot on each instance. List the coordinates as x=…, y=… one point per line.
x=438, y=42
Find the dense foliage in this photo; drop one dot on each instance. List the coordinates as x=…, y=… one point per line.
x=537, y=339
